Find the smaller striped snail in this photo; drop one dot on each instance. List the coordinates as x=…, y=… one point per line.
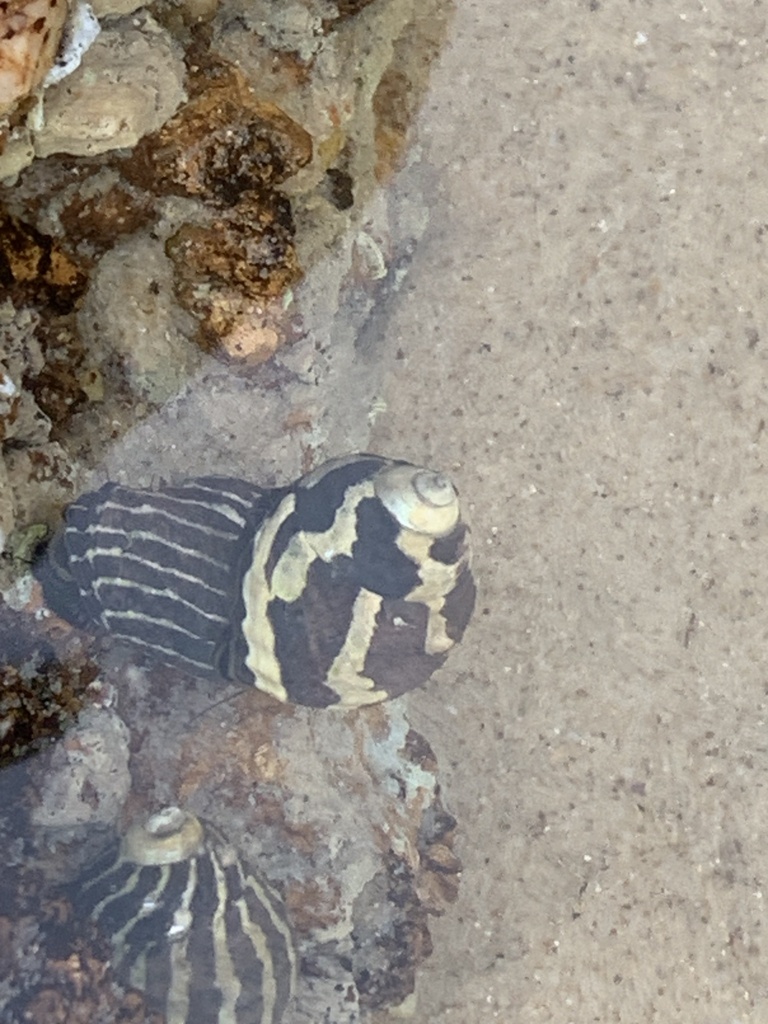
x=202, y=936
x=346, y=587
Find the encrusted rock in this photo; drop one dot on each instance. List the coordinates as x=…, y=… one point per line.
x=297, y=26
x=113, y=8
x=274, y=155
x=7, y=517
x=56, y=971
x=226, y=268
x=231, y=151
x=345, y=816
x=41, y=692
x=35, y=267
x=85, y=778
x=38, y=700
x=36, y=474
x=99, y=210
x=42, y=480
x=129, y=83
x=224, y=144
x=147, y=335
x=30, y=32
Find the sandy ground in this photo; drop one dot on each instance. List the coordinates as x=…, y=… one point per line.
x=585, y=345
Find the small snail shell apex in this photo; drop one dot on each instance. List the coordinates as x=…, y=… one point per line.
x=201, y=934
x=435, y=488
x=167, y=837
x=423, y=501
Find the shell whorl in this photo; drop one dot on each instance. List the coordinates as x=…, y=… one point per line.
x=192, y=926
x=347, y=587
x=167, y=837
x=419, y=499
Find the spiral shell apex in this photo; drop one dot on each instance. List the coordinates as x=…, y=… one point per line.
x=196, y=930
x=347, y=587
x=169, y=836
x=419, y=499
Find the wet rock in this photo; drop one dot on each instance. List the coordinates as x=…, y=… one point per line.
x=231, y=151
x=54, y=969
x=115, y=8
x=98, y=211
x=344, y=816
x=30, y=32
x=16, y=151
x=227, y=270
x=84, y=779
x=20, y=417
x=41, y=693
x=201, y=234
x=7, y=508
x=224, y=144
x=38, y=701
x=83, y=201
x=252, y=250
x=129, y=83
x=36, y=475
x=390, y=47
x=299, y=27
x=42, y=480
x=36, y=268
x=147, y=335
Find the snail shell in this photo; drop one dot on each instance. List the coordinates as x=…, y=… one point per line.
x=347, y=587
x=203, y=937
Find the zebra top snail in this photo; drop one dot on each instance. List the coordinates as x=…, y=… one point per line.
x=346, y=587
x=202, y=936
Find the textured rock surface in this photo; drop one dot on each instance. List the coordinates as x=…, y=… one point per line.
x=39, y=699
x=30, y=32
x=84, y=780
x=36, y=473
x=130, y=83
x=146, y=336
x=342, y=813
x=133, y=265
x=53, y=967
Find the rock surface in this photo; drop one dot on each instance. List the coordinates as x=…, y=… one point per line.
x=342, y=813
x=188, y=175
x=130, y=83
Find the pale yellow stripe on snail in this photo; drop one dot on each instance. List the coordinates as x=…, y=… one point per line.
x=337, y=540
x=288, y=582
x=345, y=675
x=340, y=536
x=167, y=837
x=259, y=940
x=227, y=977
x=438, y=579
x=177, y=997
x=290, y=573
x=264, y=954
x=257, y=632
x=118, y=937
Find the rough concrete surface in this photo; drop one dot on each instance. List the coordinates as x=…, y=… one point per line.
x=584, y=334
